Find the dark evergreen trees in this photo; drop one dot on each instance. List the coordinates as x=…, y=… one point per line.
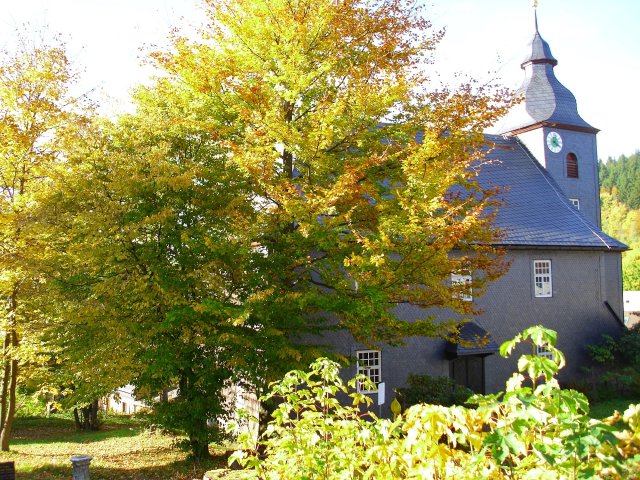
x=622, y=178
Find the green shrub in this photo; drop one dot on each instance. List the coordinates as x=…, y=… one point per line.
x=534, y=430
x=30, y=404
x=435, y=390
x=616, y=366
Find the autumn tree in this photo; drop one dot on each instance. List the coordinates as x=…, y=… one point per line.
x=154, y=226
x=37, y=118
x=353, y=153
x=623, y=222
x=292, y=170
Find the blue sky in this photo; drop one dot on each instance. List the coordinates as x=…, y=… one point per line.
x=596, y=42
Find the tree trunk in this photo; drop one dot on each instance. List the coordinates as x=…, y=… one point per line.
x=93, y=421
x=87, y=417
x=4, y=395
x=85, y=411
x=10, y=380
x=5, y=436
x=199, y=448
x=196, y=428
x=76, y=419
x=199, y=439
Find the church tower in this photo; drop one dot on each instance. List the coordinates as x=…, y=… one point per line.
x=548, y=124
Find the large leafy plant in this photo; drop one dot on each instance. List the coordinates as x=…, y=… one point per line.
x=534, y=429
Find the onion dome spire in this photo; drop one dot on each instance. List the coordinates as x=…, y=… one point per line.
x=538, y=51
x=546, y=100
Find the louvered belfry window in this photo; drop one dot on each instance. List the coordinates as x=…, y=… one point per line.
x=572, y=165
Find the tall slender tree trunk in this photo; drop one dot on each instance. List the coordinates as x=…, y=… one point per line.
x=6, y=374
x=76, y=419
x=5, y=436
x=93, y=415
x=10, y=380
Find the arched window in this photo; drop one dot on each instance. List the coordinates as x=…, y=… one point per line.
x=572, y=165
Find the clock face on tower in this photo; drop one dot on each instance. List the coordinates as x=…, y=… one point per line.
x=554, y=142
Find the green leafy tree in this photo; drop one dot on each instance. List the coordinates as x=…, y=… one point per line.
x=621, y=175
x=270, y=183
x=38, y=120
x=623, y=222
x=325, y=100
x=157, y=267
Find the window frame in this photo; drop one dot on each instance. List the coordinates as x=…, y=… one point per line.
x=543, y=351
x=545, y=278
x=575, y=202
x=571, y=166
x=371, y=370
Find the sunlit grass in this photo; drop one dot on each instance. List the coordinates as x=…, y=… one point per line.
x=124, y=449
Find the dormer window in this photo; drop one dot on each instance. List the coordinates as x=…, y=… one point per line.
x=572, y=165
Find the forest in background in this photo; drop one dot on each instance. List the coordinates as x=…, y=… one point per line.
x=620, y=201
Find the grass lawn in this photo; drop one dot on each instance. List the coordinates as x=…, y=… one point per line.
x=124, y=449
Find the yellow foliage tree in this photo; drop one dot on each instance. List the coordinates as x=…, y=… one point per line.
x=292, y=165
x=352, y=153
x=37, y=119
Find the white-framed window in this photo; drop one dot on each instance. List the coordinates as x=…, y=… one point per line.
x=543, y=351
x=542, y=278
x=369, y=364
x=575, y=202
x=466, y=294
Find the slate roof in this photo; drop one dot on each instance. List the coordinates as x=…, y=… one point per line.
x=539, y=50
x=547, y=101
x=536, y=212
x=471, y=340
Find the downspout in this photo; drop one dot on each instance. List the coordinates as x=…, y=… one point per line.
x=613, y=312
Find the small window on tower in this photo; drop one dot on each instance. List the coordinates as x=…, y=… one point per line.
x=575, y=202
x=572, y=165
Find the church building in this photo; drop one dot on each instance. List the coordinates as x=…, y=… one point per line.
x=565, y=273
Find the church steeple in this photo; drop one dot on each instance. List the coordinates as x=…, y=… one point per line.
x=546, y=100
x=539, y=51
x=547, y=122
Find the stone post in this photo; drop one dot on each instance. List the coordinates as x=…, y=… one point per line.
x=81, y=467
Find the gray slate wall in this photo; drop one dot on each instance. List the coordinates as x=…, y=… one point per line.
x=582, y=281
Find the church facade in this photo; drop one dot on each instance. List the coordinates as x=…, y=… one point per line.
x=565, y=273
